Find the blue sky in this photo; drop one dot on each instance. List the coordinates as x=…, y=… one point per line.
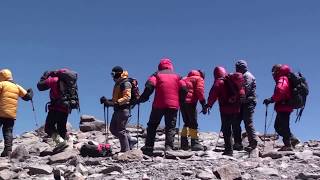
x=93, y=36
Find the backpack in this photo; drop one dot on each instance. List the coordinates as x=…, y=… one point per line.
x=299, y=90
x=68, y=89
x=135, y=93
x=235, y=87
x=91, y=150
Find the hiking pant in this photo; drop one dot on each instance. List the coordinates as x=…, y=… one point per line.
x=56, y=122
x=228, y=122
x=170, y=117
x=282, y=126
x=118, y=127
x=190, y=119
x=7, y=128
x=246, y=114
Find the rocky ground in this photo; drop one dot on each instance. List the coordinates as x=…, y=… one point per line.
x=30, y=159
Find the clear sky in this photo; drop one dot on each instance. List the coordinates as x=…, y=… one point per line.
x=93, y=36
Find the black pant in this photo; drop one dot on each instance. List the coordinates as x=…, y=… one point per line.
x=56, y=122
x=246, y=114
x=156, y=115
x=118, y=128
x=228, y=122
x=282, y=126
x=7, y=128
x=189, y=115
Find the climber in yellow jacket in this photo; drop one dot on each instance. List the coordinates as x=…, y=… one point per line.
x=9, y=94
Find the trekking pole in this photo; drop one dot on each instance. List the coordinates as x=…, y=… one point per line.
x=106, y=121
x=179, y=120
x=138, y=121
x=34, y=113
x=265, y=128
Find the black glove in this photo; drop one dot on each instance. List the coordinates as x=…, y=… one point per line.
x=204, y=107
x=103, y=100
x=45, y=75
x=268, y=101
x=30, y=92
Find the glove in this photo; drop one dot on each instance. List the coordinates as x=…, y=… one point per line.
x=30, y=92
x=103, y=100
x=45, y=75
x=268, y=101
x=204, y=107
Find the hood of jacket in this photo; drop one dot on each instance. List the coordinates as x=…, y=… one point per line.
x=165, y=63
x=5, y=75
x=219, y=72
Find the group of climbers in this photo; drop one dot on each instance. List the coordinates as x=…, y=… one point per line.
x=235, y=92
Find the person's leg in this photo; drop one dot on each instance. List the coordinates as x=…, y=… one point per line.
x=7, y=129
x=248, y=111
x=62, y=124
x=50, y=125
x=195, y=144
x=236, y=131
x=226, y=129
x=185, y=130
x=283, y=123
x=170, y=129
x=120, y=119
x=154, y=121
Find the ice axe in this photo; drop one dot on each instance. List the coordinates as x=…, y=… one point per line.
x=106, y=121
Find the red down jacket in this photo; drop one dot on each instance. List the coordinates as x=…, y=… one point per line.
x=282, y=91
x=195, y=85
x=167, y=84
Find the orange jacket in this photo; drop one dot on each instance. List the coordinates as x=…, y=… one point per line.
x=9, y=94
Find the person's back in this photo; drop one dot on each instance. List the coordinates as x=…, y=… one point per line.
x=10, y=92
x=9, y=95
x=195, y=85
x=167, y=84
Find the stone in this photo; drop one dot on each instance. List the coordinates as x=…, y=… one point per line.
x=178, y=154
x=87, y=118
x=145, y=177
x=92, y=126
x=133, y=155
x=112, y=168
x=82, y=169
x=187, y=173
x=62, y=157
x=228, y=172
x=76, y=176
x=267, y=171
x=304, y=175
x=20, y=153
x=7, y=174
x=4, y=165
x=316, y=153
x=272, y=154
x=306, y=154
x=205, y=175
x=39, y=169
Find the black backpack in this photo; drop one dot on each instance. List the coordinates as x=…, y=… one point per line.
x=300, y=91
x=135, y=93
x=68, y=89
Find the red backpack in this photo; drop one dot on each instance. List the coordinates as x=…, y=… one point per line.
x=235, y=87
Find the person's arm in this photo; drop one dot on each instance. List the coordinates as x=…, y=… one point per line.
x=183, y=91
x=200, y=91
x=214, y=93
x=148, y=90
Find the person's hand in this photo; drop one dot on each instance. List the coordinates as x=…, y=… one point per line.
x=30, y=92
x=204, y=109
x=267, y=101
x=103, y=100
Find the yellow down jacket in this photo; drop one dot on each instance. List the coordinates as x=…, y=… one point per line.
x=9, y=94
